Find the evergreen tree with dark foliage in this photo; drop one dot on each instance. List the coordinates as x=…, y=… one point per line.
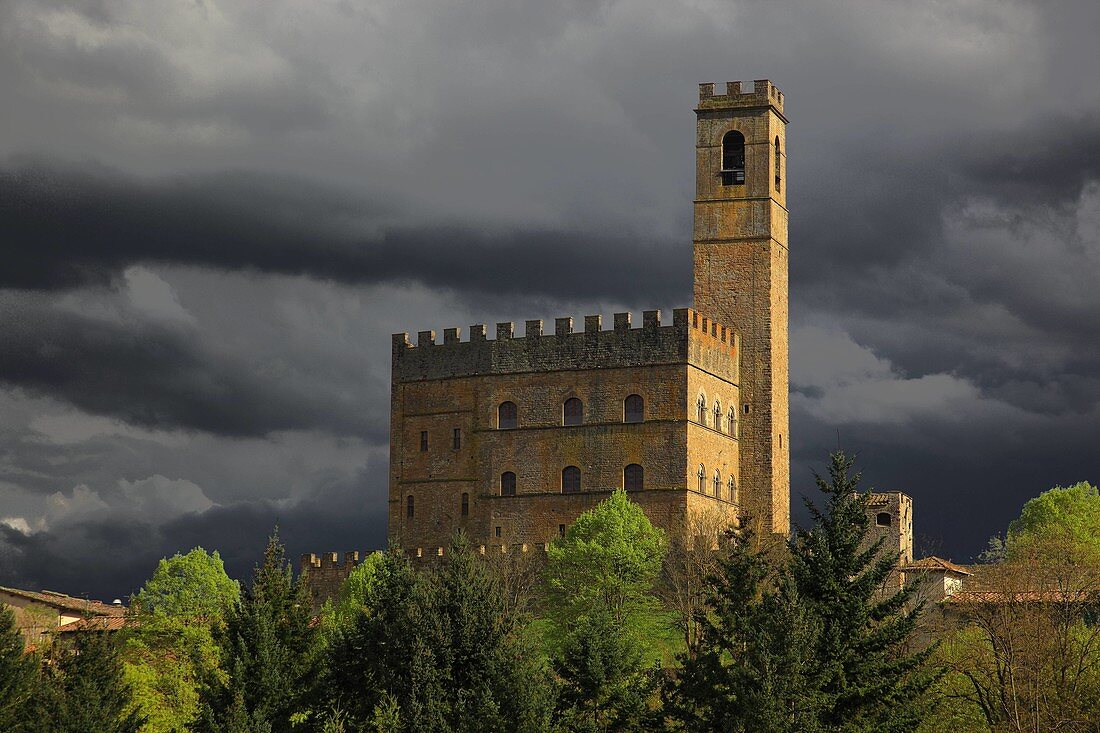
x=18, y=675
x=436, y=652
x=814, y=645
x=269, y=652
x=83, y=690
x=605, y=685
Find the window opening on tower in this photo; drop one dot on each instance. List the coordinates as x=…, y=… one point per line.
x=733, y=158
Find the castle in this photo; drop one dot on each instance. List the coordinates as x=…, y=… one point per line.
x=511, y=438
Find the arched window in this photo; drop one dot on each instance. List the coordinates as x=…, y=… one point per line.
x=507, y=415
x=882, y=519
x=731, y=421
x=570, y=480
x=717, y=483
x=702, y=476
x=572, y=412
x=633, y=476
x=409, y=507
x=731, y=485
x=633, y=408
x=702, y=409
x=507, y=484
x=733, y=158
x=465, y=504
x=777, y=164
x=717, y=415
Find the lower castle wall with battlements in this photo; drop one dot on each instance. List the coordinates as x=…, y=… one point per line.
x=440, y=388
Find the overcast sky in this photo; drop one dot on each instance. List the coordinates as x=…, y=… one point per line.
x=213, y=214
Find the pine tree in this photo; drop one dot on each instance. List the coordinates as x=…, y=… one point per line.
x=438, y=652
x=269, y=652
x=809, y=643
x=85, y=690
x=18, y=675
x=868, y=679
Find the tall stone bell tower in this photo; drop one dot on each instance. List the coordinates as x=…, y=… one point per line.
x=741, y=274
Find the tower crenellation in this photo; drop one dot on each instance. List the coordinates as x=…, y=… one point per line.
x=763, y=93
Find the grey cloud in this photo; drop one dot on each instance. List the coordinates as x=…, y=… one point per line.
x=159, y=376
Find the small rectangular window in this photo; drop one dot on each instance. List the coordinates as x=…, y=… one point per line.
x=561, y=530
x=458, y=438
x=498, y=531
x=423, y=440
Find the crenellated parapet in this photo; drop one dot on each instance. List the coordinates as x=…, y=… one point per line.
x=763, y=94
x=324, y=574
x=690, y=338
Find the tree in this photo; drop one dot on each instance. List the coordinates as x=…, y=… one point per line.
x=694, y=555
x=269, y=653
x=869, y=680
x=351, y=598
x=1026, y=651
x=438, y=652
x=1065, y=519
x=18, y=675
x=168, y=646
x=812, y=642
x=194, y=585
x=607, y=562
x=84, y=690
x=605, y=620
x=605, y=685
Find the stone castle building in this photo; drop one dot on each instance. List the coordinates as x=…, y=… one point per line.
x=511, y=438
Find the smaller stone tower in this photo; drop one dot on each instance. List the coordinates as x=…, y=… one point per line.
x=891, y=516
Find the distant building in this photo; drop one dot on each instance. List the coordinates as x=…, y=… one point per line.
x=41, y=614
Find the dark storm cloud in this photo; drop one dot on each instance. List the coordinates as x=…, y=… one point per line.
x=160, y=376
x=66, y=227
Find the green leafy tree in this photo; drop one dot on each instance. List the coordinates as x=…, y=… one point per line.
x=189, y=586
x=816, y=644
x=169, y=647
x=353, y=596
x=85, y=690
x=438, y=652
x=1065, y=521
x=607, y=626
x=269, y=653
x=606, y=563
x=18, y=676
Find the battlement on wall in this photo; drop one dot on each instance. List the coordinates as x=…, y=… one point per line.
x=690, y=336
x=328, y=561
x=324, y=574
x=763, y=94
